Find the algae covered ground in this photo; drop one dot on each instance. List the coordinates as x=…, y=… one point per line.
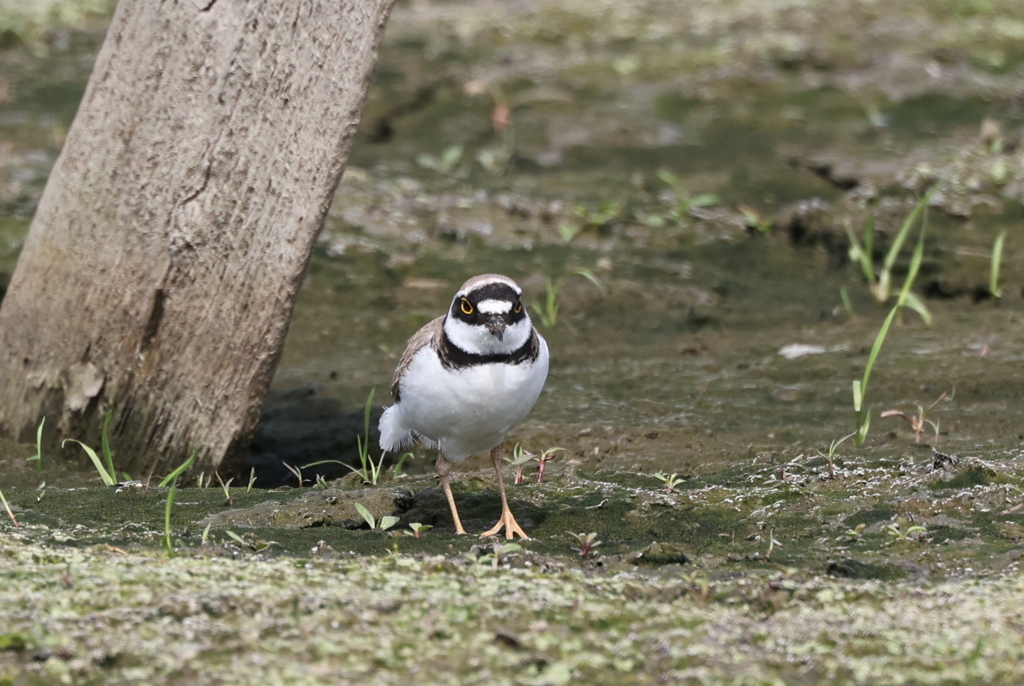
x=101, y=615
x=708, y=163
x=779, y=571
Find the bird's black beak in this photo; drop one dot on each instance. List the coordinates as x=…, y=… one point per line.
x=496, y=325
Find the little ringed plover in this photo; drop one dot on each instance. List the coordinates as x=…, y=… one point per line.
x=465, y=380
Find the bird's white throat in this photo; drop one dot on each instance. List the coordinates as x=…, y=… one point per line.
x=477, y=340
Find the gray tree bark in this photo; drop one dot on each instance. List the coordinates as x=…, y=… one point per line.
x=162, y=266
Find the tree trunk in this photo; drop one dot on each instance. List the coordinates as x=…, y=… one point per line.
x=162, y=266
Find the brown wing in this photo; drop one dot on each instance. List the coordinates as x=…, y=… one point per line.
x=415, y=344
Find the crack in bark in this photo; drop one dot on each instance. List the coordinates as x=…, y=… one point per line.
x=156, y=315
x=195, y=194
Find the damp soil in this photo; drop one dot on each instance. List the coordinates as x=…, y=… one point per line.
x=696, y=393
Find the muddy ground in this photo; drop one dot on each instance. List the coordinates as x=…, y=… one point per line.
x=704, y=163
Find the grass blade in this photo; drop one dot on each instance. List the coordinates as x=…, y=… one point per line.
x=168, y=546
x=173, y=476
x=236, y=538
x=589, y=276
x=361, y=509
x=38, y=457
x=907, y=298
x=366, y=414
x=845, y=298
x=108, y=479
x=105, y=446
x=915, y=303
x=997, y=258
x=894, y=249
x=915, y=263
x=860, y=254
x=875, y=348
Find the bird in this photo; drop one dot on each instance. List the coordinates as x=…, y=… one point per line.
x=465, y=380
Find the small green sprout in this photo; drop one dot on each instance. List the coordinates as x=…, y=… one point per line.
x=542, y=460
x=773, y=543
x=252, y=479
x=236, y=538
x=587, y=543
x=547, y=313
x=920, y=420
x=443, y=164
x=845, y=298
x=519, y=460
x=385, y=523
x=106, y=471
x=855, y=533
x=257, y=545
x=109, y=478
x=831, y=456
x=497, y=553
x=296, y=471
x=993, y=274
x=171, y=494
x=396, y=471
x=670, y=481
x=206, y=535
x=911, y=533
x=108, y=456
x=880, y=283
x=38, y=457
x=416, y=530
x=321, y=482
x=685, y=203
x=567, y=231
x=755, y=220
x=860, y=386
x=179, y=470
x=609, y=212
x=369, y=471
x=226, y=487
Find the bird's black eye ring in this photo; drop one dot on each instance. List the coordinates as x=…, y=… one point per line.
x=518, y=307
x=466, y=307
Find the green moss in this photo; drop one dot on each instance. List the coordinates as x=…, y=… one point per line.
x=868, y=517
x=972, y=475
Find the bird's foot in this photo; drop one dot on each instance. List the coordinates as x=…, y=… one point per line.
x=509, y=524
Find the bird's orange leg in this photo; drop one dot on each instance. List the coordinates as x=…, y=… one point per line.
x=443, y=466
x=507, y=521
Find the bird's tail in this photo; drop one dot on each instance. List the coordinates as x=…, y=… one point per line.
x=394, y=436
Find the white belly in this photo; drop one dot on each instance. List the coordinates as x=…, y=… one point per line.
x=468, y=411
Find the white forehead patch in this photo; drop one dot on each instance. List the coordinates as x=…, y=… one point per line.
x=494, y=306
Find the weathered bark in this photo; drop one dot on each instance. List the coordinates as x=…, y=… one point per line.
x=162, y=266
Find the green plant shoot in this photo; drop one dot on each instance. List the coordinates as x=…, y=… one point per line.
x=38, y=457
x=109, y=479
x=173, y=476
x=997, y=258
x=860, y=386
x=547, y=313
x=168, y=546
x=108, y=456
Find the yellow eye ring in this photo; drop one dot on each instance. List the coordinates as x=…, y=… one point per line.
x=466, y=307
x=518, y=307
